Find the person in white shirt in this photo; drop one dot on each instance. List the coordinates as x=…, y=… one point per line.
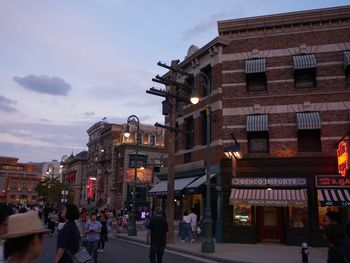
x=193, y=222
x=186, y=228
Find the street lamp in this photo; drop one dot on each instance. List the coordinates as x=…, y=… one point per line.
x=133, y=120
x=208, y=245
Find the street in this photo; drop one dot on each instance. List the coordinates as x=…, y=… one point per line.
x=118, y=251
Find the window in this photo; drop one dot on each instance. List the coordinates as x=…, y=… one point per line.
x=187, y=157
x=258, y=142
x=309, y=140
x=141, y=161
x=256, y=82
x=14, y=186
x=189, y=133
x=322, y=211
x=208, y=72
x=139, y=138
x=298, y=217
x=152, y=140
x=347, y=75
x=242, y=215
x=190, y=83
x=305, y=78
x=204, y=127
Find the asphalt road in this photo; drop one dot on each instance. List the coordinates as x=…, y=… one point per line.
x=118, y=251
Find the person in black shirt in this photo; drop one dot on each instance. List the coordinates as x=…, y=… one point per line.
x=157, y=231
x=68, y=241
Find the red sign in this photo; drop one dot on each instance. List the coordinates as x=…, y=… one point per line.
x=343, y=157
x=332, y=181
x=91, y=188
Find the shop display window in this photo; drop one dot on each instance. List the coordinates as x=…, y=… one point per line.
x=298, y=217
x=322, y=211
x=242, y=215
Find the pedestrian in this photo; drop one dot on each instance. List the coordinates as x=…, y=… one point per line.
x=332, y=218
x=24, y=238
x=193, y=222
x=5, y=212
x=104, y=231
x=83, y=218
x=47, y=211
x=53, y=219
x=93, y=231
x=186, y=230
x=61, y=219
x=157, y=236
x=125, y=219
x=68, y=240
x=339, y=245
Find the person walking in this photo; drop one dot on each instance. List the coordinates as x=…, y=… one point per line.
x=68, y=240
x=93, y=231
x=53, y=219
x=157, y=236
x=24, y=238
x=186, y=230
x=339, y=244
x=104, y=231
x=193, y=222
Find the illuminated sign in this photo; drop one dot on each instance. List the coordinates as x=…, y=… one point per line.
x=91, y=187
x=343, y=157
x=332, y=181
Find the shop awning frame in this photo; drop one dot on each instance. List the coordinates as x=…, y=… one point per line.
x=266, y=197
x=198, y=182
x=257, y=65
x=346, y=59
x=257, y=123
x=179, y=184
x=334, y=197
x=308, y=121
x=307, y=61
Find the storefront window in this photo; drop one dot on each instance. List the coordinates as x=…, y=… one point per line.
x=298, y=217
x=242, y=215
x=322, y=211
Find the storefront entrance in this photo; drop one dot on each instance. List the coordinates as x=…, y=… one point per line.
x=270, y=224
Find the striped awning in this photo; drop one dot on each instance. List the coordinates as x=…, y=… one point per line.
x=346, y=59
x=334, y=197
x=273, y=197
x=304, y=61
x=255, y=66
x=308, y=121
x=257, y=123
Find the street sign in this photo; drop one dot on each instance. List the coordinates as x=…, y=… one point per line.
x=343, y=157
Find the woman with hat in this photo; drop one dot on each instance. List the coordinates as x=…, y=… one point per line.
x=24, y=238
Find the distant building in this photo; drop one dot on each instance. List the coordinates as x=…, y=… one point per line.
x=74, y=177
x=18, y=181
x=111, y=164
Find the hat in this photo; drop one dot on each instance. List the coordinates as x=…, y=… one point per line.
x=24, y=224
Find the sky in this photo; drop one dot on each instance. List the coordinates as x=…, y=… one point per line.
x=65, y=65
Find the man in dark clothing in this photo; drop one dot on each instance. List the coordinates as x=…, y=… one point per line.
x=157, y=230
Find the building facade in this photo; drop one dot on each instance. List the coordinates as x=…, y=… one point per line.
x=18, y=181
x=280, y=89
x=74, y=177
x=111, y=160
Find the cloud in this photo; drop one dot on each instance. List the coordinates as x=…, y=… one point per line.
x=89, y=114
x=45, y=120
x=6, y=104
x=208, y=24
x=44, y=84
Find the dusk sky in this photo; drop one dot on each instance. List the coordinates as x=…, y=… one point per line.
x=66, y=64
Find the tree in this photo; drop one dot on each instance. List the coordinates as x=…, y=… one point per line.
x=49, y=189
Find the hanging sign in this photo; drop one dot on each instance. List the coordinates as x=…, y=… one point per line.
x=343, y=157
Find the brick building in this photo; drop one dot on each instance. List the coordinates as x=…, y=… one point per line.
x=280, y=85
x=111, y=164
x=18, y=181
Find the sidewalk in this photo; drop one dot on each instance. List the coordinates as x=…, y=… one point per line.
x=239, y=253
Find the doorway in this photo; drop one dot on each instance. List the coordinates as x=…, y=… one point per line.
x=270, y=224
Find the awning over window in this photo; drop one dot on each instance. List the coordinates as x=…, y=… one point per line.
x=304, y=61
x=257, y=123
x=255, y=66
x=179, y=185
x=201, y=180
x=346, y=59
x=334, y=197
x=308, y=121
x=265, y=197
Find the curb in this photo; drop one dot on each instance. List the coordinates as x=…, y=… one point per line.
x=184, y=251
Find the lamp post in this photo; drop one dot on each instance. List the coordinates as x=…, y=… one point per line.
x=208, y=245
x=133, y=120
